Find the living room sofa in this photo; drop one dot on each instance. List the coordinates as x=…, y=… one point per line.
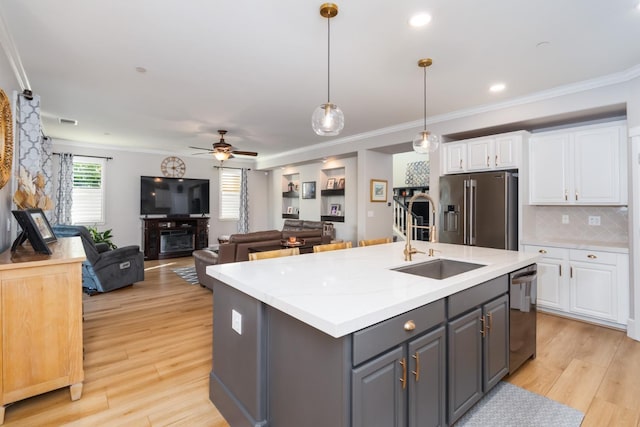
x=236, y=248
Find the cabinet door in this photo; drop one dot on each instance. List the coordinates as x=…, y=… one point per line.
x=455, y=157
x=598, y=166
x=378, y=396
x=550, y=284
x=593, y=290
x=464, y=363
x=549, y=181
x=496, y=341
x=427, y=369
x=480, y=155
x=507, y=152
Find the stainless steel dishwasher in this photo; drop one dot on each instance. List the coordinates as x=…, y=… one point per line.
x=522, y=316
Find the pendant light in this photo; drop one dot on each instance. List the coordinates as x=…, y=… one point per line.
x=425, y=142
x=328, y=119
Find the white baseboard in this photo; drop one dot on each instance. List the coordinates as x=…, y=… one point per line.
x=632, y=330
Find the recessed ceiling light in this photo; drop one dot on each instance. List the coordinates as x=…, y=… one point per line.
x=420, y=20
x=498, y=87
x=543, y=43
x=141, y=69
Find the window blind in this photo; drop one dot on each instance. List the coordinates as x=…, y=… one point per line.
x=229, y=194
x=88, y=191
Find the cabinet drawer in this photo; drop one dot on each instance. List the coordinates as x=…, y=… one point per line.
x=382, y=336
x=592, y=256
x=465, y=300
x=546, y=251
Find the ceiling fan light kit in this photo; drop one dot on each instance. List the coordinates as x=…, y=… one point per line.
x=223, y=151
x=328, y=119
x=425, y=142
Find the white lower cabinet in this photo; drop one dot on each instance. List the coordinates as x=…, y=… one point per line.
x=587, y=284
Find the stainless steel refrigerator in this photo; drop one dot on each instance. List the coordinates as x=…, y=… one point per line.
x=479, y=209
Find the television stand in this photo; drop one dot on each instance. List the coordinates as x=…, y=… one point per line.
x=172, y=237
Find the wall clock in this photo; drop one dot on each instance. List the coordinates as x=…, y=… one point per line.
x=6, y=139
x=173, y=167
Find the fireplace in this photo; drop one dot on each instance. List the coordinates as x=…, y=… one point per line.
x=176, y=241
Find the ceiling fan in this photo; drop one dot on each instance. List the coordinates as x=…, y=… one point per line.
x=224, y=151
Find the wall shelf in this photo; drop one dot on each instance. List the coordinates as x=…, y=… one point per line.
x=332, y=218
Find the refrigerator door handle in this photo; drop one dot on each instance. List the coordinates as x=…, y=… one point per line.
x=464, y=212
x=472, y=210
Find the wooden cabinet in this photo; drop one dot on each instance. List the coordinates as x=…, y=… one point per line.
x=478, y=344
x=407, y=383
x=495, y=152
x=587, y=284
x=174, y=237
x=41, y=321
x=579, y=166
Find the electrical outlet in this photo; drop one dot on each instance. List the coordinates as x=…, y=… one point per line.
x=236, y=322
x=565, y=219
x=594, y=220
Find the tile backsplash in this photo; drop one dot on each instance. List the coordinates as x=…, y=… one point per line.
x=545, y=223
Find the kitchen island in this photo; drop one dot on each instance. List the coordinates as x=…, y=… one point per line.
x=340, y=338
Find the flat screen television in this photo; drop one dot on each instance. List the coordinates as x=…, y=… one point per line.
x=173, y=196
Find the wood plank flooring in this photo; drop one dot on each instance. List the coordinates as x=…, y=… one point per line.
x=148, y=357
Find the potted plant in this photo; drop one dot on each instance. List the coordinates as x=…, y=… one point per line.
x=102, y=236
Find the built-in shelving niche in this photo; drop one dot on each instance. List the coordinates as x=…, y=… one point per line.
x=291, y=196
x=332, y=195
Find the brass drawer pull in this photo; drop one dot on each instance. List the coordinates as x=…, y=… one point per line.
x=496, y=160
x=591, y=256
x=483, y=331
x=410, y=325
x=488, y=161
x=490, y=317
x=543, y=251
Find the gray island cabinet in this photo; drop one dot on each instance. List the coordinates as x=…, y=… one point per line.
x=357, y=346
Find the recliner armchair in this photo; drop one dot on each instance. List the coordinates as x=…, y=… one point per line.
x=104, y=269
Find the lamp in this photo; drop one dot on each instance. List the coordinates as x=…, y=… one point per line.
x=222, y=155
x=328, y=119
x=425, y=142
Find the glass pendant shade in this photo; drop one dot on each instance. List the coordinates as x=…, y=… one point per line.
x=221, y=155
x=426, y=142
x=327, y=120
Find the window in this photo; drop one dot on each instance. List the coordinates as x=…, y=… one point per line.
x=88, y=191
x=230, y=180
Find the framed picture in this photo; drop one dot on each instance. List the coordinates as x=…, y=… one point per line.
x=331, y=183
x=335, y=209
x=309, y=190
x=35, y=228
x=289, y=209
x=378, y=190
x=341, y=183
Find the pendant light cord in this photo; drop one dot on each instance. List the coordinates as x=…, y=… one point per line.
x=425, y=98
x=328, y=60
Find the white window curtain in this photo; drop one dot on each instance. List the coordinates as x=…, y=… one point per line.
x=64, y=193
x=229, y=194
x=243, y=220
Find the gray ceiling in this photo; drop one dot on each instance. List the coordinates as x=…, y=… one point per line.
x=258, y=69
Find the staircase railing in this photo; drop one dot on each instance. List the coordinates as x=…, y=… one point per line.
x=400, y=222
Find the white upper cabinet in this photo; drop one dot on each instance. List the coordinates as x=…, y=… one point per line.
x=579, y=166
x=483, y=154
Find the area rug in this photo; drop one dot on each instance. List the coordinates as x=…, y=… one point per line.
x=188, y=274
x=509, y=405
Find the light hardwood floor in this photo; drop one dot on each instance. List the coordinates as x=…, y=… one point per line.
x=148, y=356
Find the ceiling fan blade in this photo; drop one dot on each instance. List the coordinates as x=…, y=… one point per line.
x=200, y=148
x=199, y=154
x=245, y=153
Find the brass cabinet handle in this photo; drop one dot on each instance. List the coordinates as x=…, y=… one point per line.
x=416, y=356
x=560, y=269
x=543, y=251
x=490, y=317
x=403, y=380
x=571, y=272
x=483, y=332
x=496, y=160
x=566, y=195
x=410, y=325
x=576, y=195
x=488, y=161
x=591, y=256
x=460, y=163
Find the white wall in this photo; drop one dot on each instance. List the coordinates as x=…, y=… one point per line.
x=400, y=162
x=375, y=219
x=123, y=190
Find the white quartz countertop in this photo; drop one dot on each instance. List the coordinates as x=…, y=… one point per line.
x=622, y=248
x=340, y=292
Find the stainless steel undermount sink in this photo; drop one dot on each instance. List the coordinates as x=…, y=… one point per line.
x=439, y=268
